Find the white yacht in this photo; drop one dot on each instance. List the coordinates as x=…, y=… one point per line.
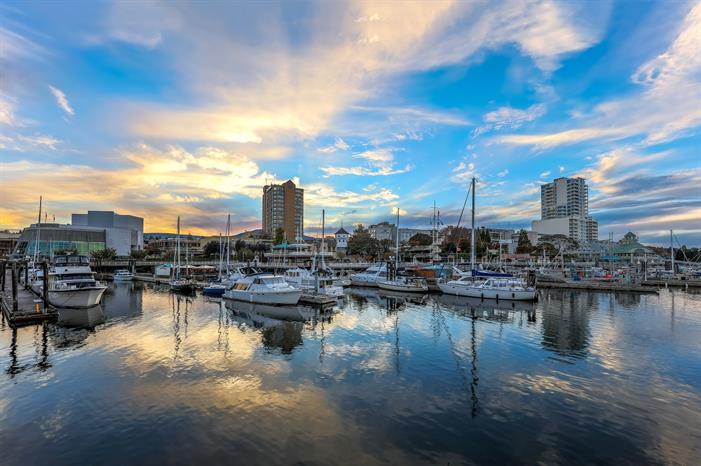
x=370, y=276
x=122, y=275
x=406, y=284
x=237, y=274
x=492, y=288
x=72, y=283
x=264, y=289
x=307, y=281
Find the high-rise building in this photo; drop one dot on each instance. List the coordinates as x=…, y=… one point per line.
x=564, y=210
x=283, y=207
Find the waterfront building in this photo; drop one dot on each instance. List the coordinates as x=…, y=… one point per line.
x=341, y=237
x=128, y=230
x=283, y=207
x=8, y=240
x=90, y=232
x=388, y=231
x=564, y=210
x=629, y=248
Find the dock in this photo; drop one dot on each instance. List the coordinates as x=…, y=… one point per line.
x=664, y=283
x=598, y=286
x=20, y=305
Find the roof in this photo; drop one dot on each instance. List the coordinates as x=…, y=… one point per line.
x=341, y=231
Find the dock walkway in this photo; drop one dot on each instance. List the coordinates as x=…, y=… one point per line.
x=598, y=286
x=29, y=309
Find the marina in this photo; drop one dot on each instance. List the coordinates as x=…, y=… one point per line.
x=384, y=377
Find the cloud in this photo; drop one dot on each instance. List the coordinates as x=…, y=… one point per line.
x=7, y=111
x=545, y=174
x=664, y=109
x=380, y=162
x=62, y=100
x=269, y=88
x=339, y=144
x=503, y=173
x=142, y=23
x=509, y=117
x=154, y=183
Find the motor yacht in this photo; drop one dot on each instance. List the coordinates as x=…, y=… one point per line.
x=72, y=283
x=307, y=281
x=264, y=288
x=370, y=276
x=122, y=275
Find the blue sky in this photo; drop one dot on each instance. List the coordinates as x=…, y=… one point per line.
x=162, y=109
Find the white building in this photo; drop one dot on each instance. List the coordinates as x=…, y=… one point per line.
x=564, y=208
x=124, y=233
x=388, y=231
x=341, y=239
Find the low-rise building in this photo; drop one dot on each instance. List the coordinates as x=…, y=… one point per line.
x=341, y=239
x=8, y=241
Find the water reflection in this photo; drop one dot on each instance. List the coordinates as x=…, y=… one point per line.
x=386, y=378
x=281, y=327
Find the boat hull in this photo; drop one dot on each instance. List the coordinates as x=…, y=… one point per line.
x=279, y=297
x=402, y=288
x=213, y=290
x=363, y=281
x=487, y=293
x=79, y=298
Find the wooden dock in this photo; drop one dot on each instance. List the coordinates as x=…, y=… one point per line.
x=664, y=283
x=20, y=305
x=598, y=286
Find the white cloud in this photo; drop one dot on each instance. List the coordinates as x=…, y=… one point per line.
x=380, y=162
x=509, y=117
x=142, y=23
x=545, y=174
x=62, y=100
x=339, y=144
x=503, y=173
x=666, y=108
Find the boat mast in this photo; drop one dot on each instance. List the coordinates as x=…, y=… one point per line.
x=472, y=241
x=36, y=243
x=228, y=241
x=396, y=253
x=177, y=250
x=323, y=234
x=221, y=251
x=671, y=245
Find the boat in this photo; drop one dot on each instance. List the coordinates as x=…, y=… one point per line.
x=401, y=283
x=305, y=280
x=72, y=283
x=264, y=288
x=404, y=284
x=492, y=288
x=122, y=275
x=178, y=284
x=217, y=288
x=370, y=276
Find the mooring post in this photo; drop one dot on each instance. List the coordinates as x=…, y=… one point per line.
x=26, y=275
x=45, y=282
x=2, y=276
x=14, y=287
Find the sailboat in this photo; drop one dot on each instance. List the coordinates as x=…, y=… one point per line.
x=180, y=285
x=401, y=283
x=492, y=287
x=218, y=287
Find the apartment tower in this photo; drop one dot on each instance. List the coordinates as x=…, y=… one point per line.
x=283, y=207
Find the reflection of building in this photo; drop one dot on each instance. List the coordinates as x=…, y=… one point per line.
x=565, y=320
x=341, y=239
x=283, y=207
x=564, y=210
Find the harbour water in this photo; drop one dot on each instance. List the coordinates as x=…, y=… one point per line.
x=153, y=378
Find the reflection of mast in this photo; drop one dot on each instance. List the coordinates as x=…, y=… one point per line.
x=473, y=369
x=176, y=326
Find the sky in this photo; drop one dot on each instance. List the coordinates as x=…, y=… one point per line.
x=160, y=109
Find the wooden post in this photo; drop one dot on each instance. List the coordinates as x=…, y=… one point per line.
x=26, y=275
x=2, y=276
x=45, y=288
x=14, y=287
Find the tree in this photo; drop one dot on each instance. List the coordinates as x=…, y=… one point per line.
x=137, y=254
x=153, y=250
x=239, y=245
x=420, y=239
x=102, y=255
x=279, y=236
x=211, y=249
x=361, y=243
x=524, y=244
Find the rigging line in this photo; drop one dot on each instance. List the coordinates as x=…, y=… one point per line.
x=457, y=226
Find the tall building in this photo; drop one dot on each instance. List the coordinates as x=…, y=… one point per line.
x=283, y=207
x=564, y=210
